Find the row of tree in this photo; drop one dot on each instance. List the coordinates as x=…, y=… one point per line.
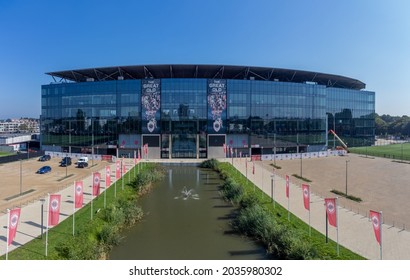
x=392, y=125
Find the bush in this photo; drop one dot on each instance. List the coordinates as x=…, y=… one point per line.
x=232, y=191
x=210, y=163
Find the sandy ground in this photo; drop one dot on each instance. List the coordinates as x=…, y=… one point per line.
x=35, y=186
x=382, y=184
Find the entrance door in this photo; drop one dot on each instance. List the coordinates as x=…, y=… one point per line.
x=184, y=146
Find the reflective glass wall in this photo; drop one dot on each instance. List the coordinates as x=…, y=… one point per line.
x=351, y=115
x=261, y=116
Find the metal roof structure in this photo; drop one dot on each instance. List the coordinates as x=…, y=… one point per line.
x=207, y=72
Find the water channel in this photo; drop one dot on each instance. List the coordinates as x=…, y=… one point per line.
x=185, y=219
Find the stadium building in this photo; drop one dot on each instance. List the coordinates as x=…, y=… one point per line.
x=193, y=111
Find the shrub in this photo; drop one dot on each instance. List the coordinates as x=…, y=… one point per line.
x=210, y=163
x=232, y=191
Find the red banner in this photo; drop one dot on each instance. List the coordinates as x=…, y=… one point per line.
x=124, y=168
x=331, y=210
x=54, y=209
x=376, y=221
x=306, y=196
x=139, y=155
x=13, y=222
x=96, y=183
x=287, y=186
x=107, y=176
x=79, y=194
x=118, y=170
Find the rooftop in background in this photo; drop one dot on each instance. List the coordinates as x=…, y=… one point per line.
x=207, y=72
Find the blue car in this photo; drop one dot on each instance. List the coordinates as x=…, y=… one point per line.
x=44, y=169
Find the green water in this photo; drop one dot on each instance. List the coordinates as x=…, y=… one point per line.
x=194, y=226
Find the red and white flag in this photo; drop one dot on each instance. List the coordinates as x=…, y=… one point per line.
x=124, y=168
x=306, y=196
x=287, y=186
x=96, y=183
x=139, y=155
x=107, y=176
x=376, y=221
x=54, y=203
x=118, y=170
x=224, y=148
x=331, y=210
x=146, y=149
x=13, y=222
x=79, y=194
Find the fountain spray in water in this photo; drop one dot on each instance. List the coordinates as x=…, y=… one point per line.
x=186, y=194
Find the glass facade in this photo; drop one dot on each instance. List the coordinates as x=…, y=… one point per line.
x=253, y=116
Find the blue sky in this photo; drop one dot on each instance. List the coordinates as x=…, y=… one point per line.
x=368, y=40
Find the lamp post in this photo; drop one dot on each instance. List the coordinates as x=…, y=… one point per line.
x=21, y=177
x=346, y=175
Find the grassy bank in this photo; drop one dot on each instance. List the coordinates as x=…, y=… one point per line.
x=257, y=218
x=95, y=237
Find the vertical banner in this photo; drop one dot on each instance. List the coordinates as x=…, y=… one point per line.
x=14, y=217
x=287, y=186
x=107, y=176
x=54, y=203
x=117, y=170
x=376, y=222
x=306, y=196
x=330, y=204
x=217, y=106
x=79, y=194
x=151, y=103
x=96, y=183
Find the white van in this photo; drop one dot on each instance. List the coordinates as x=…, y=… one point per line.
x=82, y=159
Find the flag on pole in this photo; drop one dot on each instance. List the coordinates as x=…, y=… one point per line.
x=306, y=196
x=224, y=148
x=287, y=186
x=124, y=168
x=330, y=204
x=96, y=183
x=54, y=209
x=231, y=152
x=376, y=221
x=79, y=194
x=146, y=149
x=118, y=170
x=13, y=222
x=107, y=176
x=139, y=155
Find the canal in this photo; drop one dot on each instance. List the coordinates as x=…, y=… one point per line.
x=186, y=219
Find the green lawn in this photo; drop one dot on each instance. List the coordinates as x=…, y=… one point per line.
x=393, y=151
x=4, y=154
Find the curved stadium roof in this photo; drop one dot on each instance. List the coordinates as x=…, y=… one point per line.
x=205, y=71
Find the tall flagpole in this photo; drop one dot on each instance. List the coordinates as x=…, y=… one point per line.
x=288, y=201
x=7, y=234
x=381, y=224
x=74, y=209
x=337, y=226
x=92, y=197
x=310, y=227
x=48, y=217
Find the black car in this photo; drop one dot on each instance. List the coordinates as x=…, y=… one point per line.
x=44, y=158
x=65, y=162
x=82, y=164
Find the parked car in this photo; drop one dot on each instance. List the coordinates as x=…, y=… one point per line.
x=44, y=169
x=82, y=164
x=44, y=158
x=65, y=162
x=82, y=159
